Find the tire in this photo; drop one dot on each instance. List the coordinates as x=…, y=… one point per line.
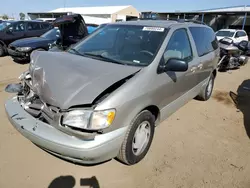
x=128, y=154
x=205, y=94
x=2, y=50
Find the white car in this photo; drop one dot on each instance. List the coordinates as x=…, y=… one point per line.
x=236, y=35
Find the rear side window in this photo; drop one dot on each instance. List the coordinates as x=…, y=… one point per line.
x=45, y=25
x=33, y=26
x=205, y=40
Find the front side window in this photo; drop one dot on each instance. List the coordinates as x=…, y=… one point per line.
x=179, y=46
x=124, y=44
x=240, y=34
x=205, y=40
x=17, y=27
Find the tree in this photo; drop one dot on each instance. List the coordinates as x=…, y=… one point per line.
x=22, y=16
x=5, y=17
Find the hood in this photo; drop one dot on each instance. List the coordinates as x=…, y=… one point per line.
x=30, y=42
x=64, y=80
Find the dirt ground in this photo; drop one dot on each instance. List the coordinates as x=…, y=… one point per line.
x=203, y=145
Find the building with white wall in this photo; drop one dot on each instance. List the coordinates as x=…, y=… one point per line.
x=95, y=15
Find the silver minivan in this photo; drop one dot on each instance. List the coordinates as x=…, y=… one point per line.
x=104, y=97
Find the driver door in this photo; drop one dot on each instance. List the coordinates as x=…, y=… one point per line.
x=178, y=87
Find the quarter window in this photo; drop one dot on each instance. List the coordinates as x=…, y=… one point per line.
x=179, y=46
x=205, y=40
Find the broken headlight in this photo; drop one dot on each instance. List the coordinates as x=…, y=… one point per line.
x=89, y=120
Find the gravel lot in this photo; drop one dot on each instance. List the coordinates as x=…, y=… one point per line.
x=204, y=144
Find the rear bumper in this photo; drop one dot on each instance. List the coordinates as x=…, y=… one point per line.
x=102, y=148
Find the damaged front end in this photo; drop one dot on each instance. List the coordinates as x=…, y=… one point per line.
x=64, y=94
x=80, y=121
x=46, y=113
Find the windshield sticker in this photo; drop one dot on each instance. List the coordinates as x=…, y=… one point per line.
x=136, y=61
x=157, y=29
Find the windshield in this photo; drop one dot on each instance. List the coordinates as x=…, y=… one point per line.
x=3, y=25
x=225, y=34
x=124, y=44
x=52, y=34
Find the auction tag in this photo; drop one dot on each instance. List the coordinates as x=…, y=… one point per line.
x=157, y=29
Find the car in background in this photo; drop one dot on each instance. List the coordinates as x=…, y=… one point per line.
x=72, y=29
x=21, y=49
x=236, y=35
x=14, y=30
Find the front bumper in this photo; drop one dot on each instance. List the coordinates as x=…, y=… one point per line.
x=102, y=148
x=19, y=55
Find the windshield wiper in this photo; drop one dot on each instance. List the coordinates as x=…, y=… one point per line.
x=75, y=51
x=100, y=56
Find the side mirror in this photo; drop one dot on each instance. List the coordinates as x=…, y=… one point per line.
x=176, y=65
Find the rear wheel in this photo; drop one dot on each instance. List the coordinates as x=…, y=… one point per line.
x=138, y=139
x=208, y=90
x=2, y=50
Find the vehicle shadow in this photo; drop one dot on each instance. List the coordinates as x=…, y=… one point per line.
x=242, y=102
x=70, y=182
x=21, y=62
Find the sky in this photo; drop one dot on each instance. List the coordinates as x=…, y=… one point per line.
x=14, y=7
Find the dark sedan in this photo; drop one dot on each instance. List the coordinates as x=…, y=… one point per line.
x=20, y=50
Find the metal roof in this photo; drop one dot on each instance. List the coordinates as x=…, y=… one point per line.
x=239, y=10
x=92, y=10
x=230, y=8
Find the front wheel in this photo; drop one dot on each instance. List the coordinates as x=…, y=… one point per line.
x=138, y=138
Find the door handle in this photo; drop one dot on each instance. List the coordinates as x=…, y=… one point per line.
x=193, y=69
x=200, y=66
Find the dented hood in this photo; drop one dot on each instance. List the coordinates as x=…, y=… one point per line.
x=64, y=80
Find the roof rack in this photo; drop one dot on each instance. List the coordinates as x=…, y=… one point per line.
x=190, y=20
x=178, y=20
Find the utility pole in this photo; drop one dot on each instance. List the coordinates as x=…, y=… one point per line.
x=64, y=4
